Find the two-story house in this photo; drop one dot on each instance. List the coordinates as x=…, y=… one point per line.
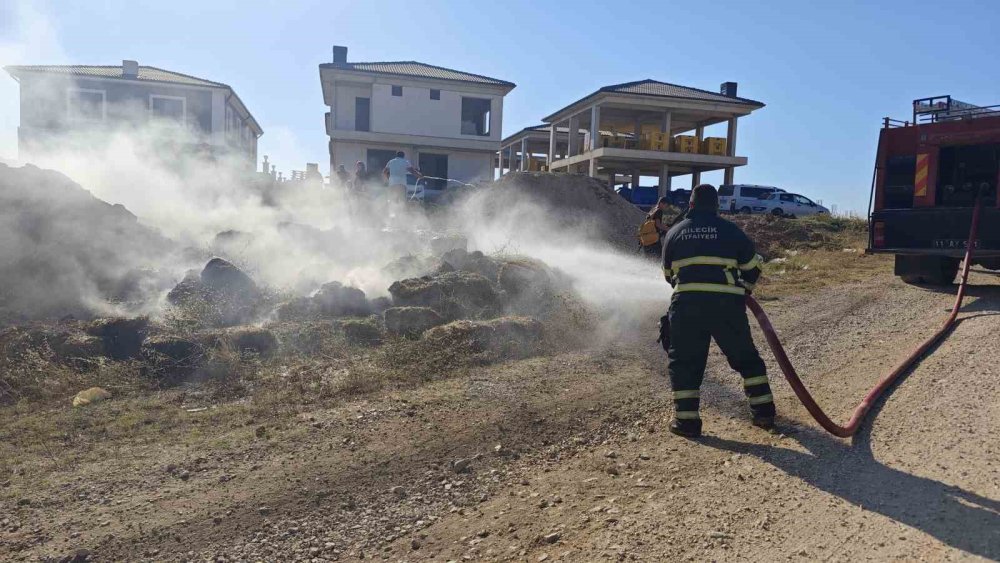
x=447, y=122
x=65, y=103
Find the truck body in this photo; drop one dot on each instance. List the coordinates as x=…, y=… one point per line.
x=928, y=174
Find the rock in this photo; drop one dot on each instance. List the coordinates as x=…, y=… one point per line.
x=453, y=295
x=362, y=332
x=415, y=544
x=411, y=321
x=260, y=431
x=613, y=470
x=90, y=396
x=264, y=511
x=78, y=556
x=503, y=338
x=190, y=287
x=121, y=337
x=483, y=533
x=461, y=465
x=398, y=491
x=336, y=300
x=552, y=538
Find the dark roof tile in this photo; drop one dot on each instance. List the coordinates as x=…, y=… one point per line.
x=419, y=70
x=146, y=73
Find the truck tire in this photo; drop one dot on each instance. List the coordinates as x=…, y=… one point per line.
x=746, y=210
x=926, y=270
x=777, y=212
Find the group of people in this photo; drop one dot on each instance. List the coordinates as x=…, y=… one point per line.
x=712, y=266
x=393, y=189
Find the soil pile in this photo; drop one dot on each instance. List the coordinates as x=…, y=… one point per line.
x=573, y=202
x=776, y=235
x=63, y=251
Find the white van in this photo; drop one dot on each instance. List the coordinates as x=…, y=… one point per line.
x=742, y=198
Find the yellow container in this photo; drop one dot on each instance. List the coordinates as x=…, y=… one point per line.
x=659, y=142
x=686, y=144
x=714, y=146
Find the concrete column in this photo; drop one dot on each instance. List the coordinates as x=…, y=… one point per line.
x=574, y=136
x=728, y=176
x=592, y=170
x=699, y=132
x=513, y=157
x=731, y=137
x=552, y=144
x=611, y=180
x=635, y=179
x=664, y=188
x=665, y=123
x=595, y=127
x=524, y=154
x=695, y=178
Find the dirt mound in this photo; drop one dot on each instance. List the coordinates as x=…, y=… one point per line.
x=573, y=202
x=776, y=235
x=63, y=251
x=411, y=321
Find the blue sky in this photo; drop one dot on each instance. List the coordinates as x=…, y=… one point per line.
x=828, y=71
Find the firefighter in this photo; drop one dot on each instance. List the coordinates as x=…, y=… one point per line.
x=712, y=266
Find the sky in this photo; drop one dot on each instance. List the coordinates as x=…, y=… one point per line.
x=828, y=72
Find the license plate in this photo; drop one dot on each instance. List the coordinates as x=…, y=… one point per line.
x=954, y=243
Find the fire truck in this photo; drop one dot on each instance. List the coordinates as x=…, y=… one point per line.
x=929, y=171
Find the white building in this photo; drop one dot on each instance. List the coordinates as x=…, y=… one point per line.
x=447, y=122
x=60, y=101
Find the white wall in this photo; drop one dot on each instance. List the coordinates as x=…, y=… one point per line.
x=415, y=113
x=470, y=166
x=344, y=112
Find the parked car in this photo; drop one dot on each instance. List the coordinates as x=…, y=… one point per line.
x=645, y=197
x=792, y=205
x=741, y=198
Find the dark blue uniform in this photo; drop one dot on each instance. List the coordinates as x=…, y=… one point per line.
x=711, y=264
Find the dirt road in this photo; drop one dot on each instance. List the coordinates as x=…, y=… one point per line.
x=567, y=458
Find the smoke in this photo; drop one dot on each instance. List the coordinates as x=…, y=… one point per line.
x=291, y=236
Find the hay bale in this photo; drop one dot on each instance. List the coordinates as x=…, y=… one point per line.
x=362, y=332
x=168, y=356
x=337, y=300
x=411, y=321
x=254, y=340
x=453, y=295
x=505, y=337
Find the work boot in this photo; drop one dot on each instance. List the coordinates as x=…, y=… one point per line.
x=764, y=421
x=688, y=428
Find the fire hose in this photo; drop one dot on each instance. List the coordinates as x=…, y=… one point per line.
x=873, y=395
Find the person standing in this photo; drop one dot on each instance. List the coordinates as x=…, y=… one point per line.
x=395, y=172
x=656, y=216
x=342, y=176
x=712, y=266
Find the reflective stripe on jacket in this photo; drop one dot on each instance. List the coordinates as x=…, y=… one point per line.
x=706, y=253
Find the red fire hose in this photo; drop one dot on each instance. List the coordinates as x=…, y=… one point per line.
x=859, y=412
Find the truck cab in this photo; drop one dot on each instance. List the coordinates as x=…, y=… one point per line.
x=928, y=173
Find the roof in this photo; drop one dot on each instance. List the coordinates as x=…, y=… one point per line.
x=146, y=73
x=655, y=88
x=419, y=70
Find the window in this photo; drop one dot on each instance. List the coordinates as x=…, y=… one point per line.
x=397, y=90
x=168, y=107
x=86, y=104
x=803, y=200
x=755, y=193
x=435, y=94
x=476, y=116
x=362, y=114
x=786, y=197
x=726, y=191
